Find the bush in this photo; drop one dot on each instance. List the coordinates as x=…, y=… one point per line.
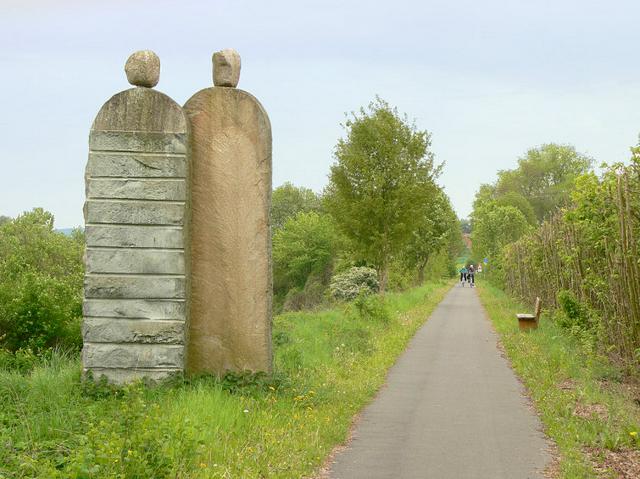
x=311, y=296
x=41, y=273
x=305, y=246
x=372, y=308
x=351, y=283
x=573, y=313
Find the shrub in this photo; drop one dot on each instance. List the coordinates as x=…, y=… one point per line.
x=372, y=308
x=351, y=283
x=41, y=274
x=305, y=246
x=573, y=313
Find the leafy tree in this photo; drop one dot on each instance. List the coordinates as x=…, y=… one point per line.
x=288, y=200
x=494, y=227
x=544, y=177
x=41, y=274
x=437, y=229
x=382, y=177
x=304, y=246
x=511, y=198
x=4, y=219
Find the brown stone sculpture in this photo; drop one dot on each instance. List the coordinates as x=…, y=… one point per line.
x=230, y=325
x=136, y=215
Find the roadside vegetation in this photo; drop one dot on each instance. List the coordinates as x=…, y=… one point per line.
x=585, y=401
x=329, y=364
x=552, y=228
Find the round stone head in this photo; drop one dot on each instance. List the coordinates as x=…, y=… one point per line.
x=226, y=68
x=143, y=69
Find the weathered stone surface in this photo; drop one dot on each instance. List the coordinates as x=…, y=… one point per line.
x=135, y=308
x=143, y=69
x=108, y=355
x=133, y=165
x=123, y=376
x=137, y=189
x=108, y=330
x=130, y=236
x=134, y=212
x=226, y=68
x=139, y=260
x=134, y=287
x=230, y=325
x=139, y=141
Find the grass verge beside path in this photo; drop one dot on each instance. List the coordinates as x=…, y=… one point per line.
x=329, y=364
x=585, y=408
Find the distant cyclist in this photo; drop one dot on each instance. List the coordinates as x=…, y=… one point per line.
x=471, y=273
x=463, y=275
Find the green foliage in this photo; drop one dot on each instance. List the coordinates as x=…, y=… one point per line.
x=378, y=187
x=288, y=200
x=311, y=296
x=575, y=315
x=4, y=219
x=562, y=375
x=357, y=280
x=544, y=177
x=41, y=274
x=437, y=229
x=329, y=364
x=589, y=252
x=372, y=308
x=511, y=198
x=494, y=227
x=303, y=253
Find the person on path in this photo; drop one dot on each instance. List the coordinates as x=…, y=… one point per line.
x=471, y=275
x=463, y=275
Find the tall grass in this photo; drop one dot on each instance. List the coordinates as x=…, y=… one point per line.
x=329, y=364
x=562, y=375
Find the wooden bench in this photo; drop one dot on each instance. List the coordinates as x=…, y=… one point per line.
x=529, y=321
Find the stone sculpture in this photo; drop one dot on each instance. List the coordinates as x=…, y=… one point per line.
x=230, y=323
x=136, y=216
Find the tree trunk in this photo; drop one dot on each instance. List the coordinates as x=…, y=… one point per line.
x=383, y=276
x=421, y=268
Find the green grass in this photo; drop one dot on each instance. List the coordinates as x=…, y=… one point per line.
x=329, y=364
x=550, y=356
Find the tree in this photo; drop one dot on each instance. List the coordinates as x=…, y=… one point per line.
x=41, y=274
x=437, y=229
x=4, y=219
x=382, y=177
x=511, y=198
x=304, y=246
x=544, y=177
x=288, y=200
x=494, y=227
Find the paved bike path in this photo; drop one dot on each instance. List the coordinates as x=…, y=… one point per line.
x=452, y=408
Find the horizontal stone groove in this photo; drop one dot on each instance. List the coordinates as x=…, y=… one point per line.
x=139, y=153
x=127, y=318
x=136, y=345
x=136, y=178
x=93, y=223
x=134, y=200
x=138, y=141
x=171, y=309
x=150, y=248
x=140, y=275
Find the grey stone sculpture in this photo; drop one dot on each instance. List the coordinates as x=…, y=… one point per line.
x=137, y=219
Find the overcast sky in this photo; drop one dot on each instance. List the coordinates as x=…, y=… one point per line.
x=489, y=79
